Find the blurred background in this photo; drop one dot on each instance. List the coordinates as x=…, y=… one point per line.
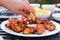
x=45, y=1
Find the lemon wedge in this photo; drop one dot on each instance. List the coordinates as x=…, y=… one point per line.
x=32, y=16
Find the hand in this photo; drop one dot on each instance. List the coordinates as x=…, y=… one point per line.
x=19, y=7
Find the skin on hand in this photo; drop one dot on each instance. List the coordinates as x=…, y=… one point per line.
x=19, y=7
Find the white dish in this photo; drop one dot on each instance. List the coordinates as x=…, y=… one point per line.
x=50, y=7
x=3, y=9
x=34, y=5
x=57, y=9
x=46, y=33
x=42, y=16
x=56, y=16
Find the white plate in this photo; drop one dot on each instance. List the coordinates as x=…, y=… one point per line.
x=46, y=33
x=1, y=38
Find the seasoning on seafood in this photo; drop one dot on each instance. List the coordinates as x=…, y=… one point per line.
x=26, y=31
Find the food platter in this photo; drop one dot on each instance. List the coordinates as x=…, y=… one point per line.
x=34, y=27
x=46, y=33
